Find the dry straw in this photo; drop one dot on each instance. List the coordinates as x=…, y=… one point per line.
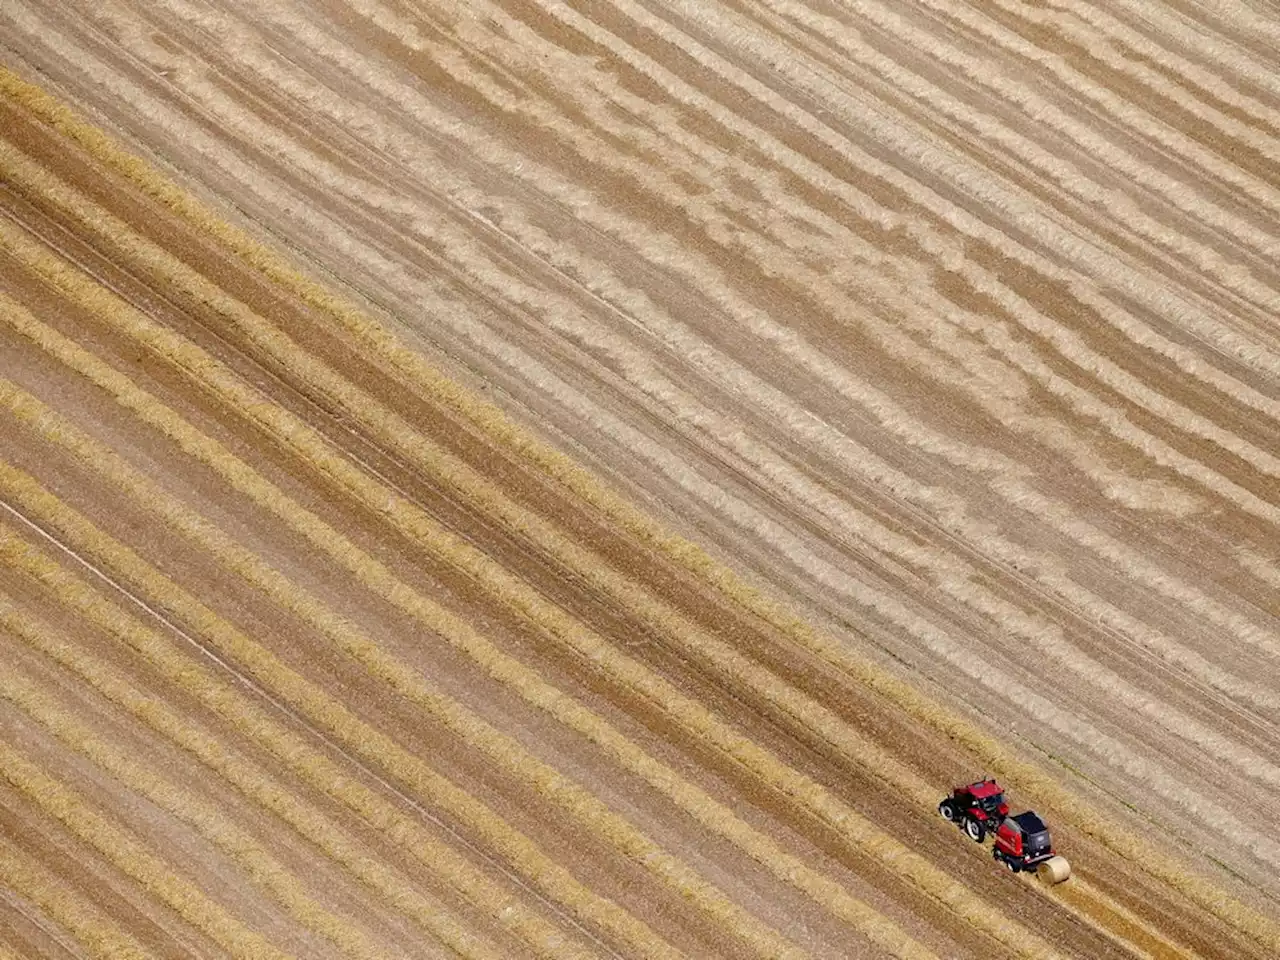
x=393, y=431
x=446, y=867
x=249, y=779
x=583, y=806
x=418, y=526
x=1070, y=22
x=1130, y=492
x=464, y=482
x=1141, y=54
x=416, y=370
x=1203, y=41
x=66, y=906
x=983, y=72
x=253, y=859
x=588, y=810
x=931, y=881
x=1124, y=923
x=678, y=91
x=134, y=859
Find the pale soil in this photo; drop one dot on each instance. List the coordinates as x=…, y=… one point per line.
x=977, y=371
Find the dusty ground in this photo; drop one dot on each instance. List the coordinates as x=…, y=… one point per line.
x=952, y=327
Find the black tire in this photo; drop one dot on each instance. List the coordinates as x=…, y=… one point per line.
x=948, y=810
x=974, y=828
x=1012, y=865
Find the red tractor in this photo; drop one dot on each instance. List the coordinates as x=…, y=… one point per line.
x=977, y=808
x=1022, y=842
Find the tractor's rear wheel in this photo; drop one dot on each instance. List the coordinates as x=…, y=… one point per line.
x=948, y=810
x=976, y=831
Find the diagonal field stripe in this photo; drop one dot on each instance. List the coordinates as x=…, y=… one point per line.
x=133, y=858
x=138, y=777
x=211, y=376
x=312, y=766
x=565, y=471
x=65, y=906
x=399, y=434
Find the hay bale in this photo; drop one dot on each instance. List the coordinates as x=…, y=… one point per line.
x=1054, y=870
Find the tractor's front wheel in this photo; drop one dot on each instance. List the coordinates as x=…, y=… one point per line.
x=976, y=831
x=948, y=810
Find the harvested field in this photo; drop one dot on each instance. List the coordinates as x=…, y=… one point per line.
x=563, y=480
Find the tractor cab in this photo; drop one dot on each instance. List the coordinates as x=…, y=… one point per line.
x=986, y=796
x=975, y=808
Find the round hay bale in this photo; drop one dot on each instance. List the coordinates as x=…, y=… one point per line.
x=1054, y=870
